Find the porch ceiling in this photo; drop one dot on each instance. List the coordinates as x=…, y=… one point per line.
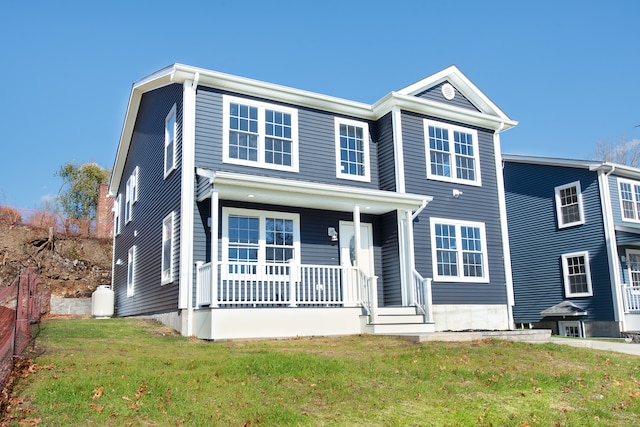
x=278, y=191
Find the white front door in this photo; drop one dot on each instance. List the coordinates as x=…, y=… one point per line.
x=348, y=250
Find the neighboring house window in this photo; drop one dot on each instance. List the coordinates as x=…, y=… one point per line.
x=630, y=200
x=251, y=236
x=569, y=208
x=633, y=261
x=167, y=249
x=452, y=153
x=260, y=134
x=116, y=214
x=131, y=195
x=131, y=271
x=570, y=329
x=459, y=251
x=352, y=150
x=170, y=142
x=577, y=275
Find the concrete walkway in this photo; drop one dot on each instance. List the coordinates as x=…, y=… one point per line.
x=617, y=346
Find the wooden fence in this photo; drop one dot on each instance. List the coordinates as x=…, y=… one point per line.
x=21, y=304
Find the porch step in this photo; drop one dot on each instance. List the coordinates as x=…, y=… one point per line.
x=400, y=328
x=399, y=320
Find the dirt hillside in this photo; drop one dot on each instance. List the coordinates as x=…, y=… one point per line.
x=71, y=267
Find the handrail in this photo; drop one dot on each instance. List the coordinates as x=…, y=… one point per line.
x=422, y=295
x=631, y=298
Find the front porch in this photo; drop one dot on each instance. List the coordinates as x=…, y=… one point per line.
x=631, y=304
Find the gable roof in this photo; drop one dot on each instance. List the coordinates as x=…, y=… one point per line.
x=489, y=117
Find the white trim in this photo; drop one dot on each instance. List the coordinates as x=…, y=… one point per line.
x=366, y=177
x=131, y=276
x=460, y=267
x=131, y=195
x=261, y=134
x=398, y=149
x=117, y=215
x=559, y=206
x=477, y=181
x=172, y=113
x=565, y=274
x=634, y=197
x=165, y=279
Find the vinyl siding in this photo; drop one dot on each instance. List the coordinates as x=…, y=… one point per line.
x=616, y=207
x=157, y=198
x=386, y=153
x=316, y=133
x=537, y=244
x=478, y=204
x=435, y=94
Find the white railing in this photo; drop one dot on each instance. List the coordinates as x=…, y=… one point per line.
x=422, y=295
x=252, y=284
x=631, y=298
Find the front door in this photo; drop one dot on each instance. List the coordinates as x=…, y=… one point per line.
x=348, y=250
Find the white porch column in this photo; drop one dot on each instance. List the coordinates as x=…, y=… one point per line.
x=402, y=255
x=214, y=248
x=409, y=258
x=356, y=232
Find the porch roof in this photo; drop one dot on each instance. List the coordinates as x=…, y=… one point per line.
x=287, y=192
x=564, y=309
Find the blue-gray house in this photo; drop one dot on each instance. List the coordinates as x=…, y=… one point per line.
x=248, y=209
x=574, y=232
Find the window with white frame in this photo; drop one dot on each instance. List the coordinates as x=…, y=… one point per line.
x=629, y=199
x=570, y=329
x=131, y=195
x=633, y=263
x=116, y=214
x=352, y=150
x=167, y=248
x=261, y=237
x=170, y=142
x=569, y=208
x=577, y=274
x=459, y=250
x=452, y=153
x=260, y=134
x=131, y=271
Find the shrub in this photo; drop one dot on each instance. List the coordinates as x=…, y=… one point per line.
x=9, y=215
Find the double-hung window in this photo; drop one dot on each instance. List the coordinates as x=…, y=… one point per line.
x=131, y=270
x=167, y=249
x=459, y=250
x=569, y=208
x=259, y=237
x=577, y=274
x=260, y=134
x=170, y=142
x=452, y=153
x=629, y=199
x=117, y=206
x=352, y=150
x=131, y=195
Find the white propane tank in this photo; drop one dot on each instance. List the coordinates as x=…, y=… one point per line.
x=102, y=302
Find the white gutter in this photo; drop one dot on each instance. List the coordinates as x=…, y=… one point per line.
x=419, y=210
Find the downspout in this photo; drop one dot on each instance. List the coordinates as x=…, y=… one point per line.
x=419, y=210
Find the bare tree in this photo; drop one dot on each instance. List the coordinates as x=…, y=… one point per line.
x=623, y=151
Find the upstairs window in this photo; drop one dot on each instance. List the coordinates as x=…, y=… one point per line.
x=167, y=249
x=569, y=208
x=131, y=195
x=577, y=274
x=170, y=142
x=629, y=200
x=452, y=153
x=260, y=134
x=352, y=150
x=459, y=251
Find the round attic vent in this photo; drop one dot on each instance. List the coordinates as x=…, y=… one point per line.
x=448, y=91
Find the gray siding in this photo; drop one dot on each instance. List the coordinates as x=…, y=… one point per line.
x=478, y=204
x=390, y=260
x=157, y=198
x=537, y=243
x=435, y=94
x=616, y=206
x=316, y=143
x=386, y=153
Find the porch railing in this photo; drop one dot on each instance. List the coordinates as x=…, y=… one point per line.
x=422, y=295
x=253, y=285
x=631, y=298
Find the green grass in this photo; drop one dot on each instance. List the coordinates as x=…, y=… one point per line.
x=124, y=372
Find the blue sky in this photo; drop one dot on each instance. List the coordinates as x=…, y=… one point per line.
x=569, y=72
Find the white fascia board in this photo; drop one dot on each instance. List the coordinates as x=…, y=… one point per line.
x=260, y=189
x=552, y=161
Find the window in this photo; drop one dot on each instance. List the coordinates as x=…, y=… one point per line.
x=577, y=275
x=260, y=134
x=170, y=142
x=352, y=150
x=633, y=261
x=459, y=251
x=630, y=200
x=131, y=270
x=569, y=205
x=131, y=195
x=570, y=329
x=167, y=249
x=251, y=236
x=452, y=153
x=116, y=214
